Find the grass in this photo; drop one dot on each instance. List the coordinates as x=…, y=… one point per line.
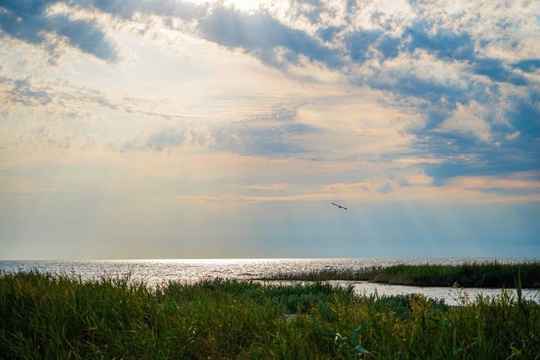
x=51, y=317
x=490, y=274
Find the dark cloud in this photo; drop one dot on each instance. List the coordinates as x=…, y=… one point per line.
x=328, y=34
x=497, y=70
x=486, y=162
x=125, y=9
x=29, y=21
x=527, y=65
x=262, y=35
x=259, y=33
x=360, y=43
x=275, y=134
x=27, y=8
x=166, y=138
x=515, y=146
x=363, y=45
x=281, y=113
x=511, y=144
x=255, y=140
x=23, y=92
x=389, y=47
x=24, y=20
x=525, y=118
x=444, y=44
x=513, y=141
x=438, y=99
x=167, y=8
x=450, y=46
x=86, y=37
x=29, y=92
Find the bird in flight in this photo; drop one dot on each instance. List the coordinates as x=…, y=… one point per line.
x=339, y=206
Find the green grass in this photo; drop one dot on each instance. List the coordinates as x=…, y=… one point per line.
x=490, y=274
x=57, y=317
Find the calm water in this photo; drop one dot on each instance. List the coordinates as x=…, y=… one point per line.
x=155, y=272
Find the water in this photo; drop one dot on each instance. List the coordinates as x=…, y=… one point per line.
x=154, y=272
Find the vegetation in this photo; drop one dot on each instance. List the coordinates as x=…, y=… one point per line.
x=57, y=317
x=491, y=274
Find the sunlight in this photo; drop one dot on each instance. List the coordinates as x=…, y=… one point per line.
x=243, y=5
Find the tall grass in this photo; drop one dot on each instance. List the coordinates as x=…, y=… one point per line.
x=474, y=274
x=56, y=317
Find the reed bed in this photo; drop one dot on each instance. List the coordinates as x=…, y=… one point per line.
x=474, y=274
x=56, y=317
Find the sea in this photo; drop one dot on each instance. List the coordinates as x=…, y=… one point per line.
x=158, y=272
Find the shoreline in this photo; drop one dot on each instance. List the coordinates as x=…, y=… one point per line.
x=467, y=275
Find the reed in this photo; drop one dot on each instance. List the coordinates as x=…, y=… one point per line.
x=474, y=274
x=50, y=317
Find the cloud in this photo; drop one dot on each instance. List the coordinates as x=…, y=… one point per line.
x=515, y=188
x=464, y=121
x=266, y=187
x=520, y=186
x=444, y=43
x=273, y=134
x=498, y=71
x=247, y=138
x=382, y=185
x=168, y=8
x=35, y=21
x=166, y=138
x=23, y=93
x=527, y=65
x=265, y=37
x=236, y=198
x=528, y=181
x=471, y=82
x=31, y=22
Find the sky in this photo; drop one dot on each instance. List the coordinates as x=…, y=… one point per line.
x=226, y=129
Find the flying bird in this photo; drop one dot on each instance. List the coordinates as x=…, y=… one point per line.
x=339, y=206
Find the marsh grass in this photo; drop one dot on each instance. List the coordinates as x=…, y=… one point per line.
x=56, y=317
x=474, y=274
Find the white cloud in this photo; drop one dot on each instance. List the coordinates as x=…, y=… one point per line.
x=467, y=120
x=271, y=187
